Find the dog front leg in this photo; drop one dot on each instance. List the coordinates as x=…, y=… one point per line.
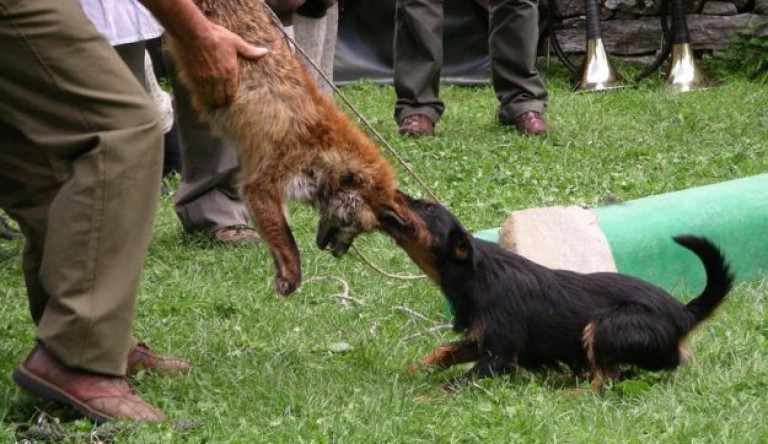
x=267, y=210
x=486, y=367
x=448, y=354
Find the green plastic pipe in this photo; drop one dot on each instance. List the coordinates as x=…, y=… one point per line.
x=733, y=214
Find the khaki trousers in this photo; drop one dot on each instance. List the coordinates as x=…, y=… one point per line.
x=80, y=161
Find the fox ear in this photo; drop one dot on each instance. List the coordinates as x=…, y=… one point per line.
x=461, y=247
x=389, y=217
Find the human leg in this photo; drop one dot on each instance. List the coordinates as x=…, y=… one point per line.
x=513, y=40
x=80, y=154
x=418, y=59
x=133, y=55
x=329, y=44
x=310, y=34
x=207, y=200
x=100, y=155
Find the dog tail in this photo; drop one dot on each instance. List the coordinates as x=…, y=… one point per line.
x=719, y=276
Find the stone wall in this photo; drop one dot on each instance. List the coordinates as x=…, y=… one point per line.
x=633, y=27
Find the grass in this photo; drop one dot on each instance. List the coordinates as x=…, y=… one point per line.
x=308, y=369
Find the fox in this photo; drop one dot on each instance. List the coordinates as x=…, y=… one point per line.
x=294, y=144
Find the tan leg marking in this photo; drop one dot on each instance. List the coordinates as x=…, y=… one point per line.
x=447, y=355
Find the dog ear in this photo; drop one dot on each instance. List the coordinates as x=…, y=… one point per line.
x=461, y=247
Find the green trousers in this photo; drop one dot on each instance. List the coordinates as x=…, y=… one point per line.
x=418, y=58
x=80, y=165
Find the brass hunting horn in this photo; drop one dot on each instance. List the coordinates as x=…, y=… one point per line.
x=596, y=72
x=682, y=73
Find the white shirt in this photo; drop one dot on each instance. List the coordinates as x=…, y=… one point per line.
x=122, y=21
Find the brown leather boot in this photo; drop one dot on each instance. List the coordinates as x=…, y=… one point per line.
x=416, y=125
x=236, y=235
x=97, y=397
x=143, y=357
x=531, y=122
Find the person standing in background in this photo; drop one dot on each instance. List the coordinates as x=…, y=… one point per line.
x=418, y=58
x=315, y=28
x=127, y=25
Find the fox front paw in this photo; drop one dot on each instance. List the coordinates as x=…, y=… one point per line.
x=286, y=285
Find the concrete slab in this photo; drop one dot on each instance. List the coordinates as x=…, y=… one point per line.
x=567, y=238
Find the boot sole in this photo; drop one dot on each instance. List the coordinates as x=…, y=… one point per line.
x=45, y=390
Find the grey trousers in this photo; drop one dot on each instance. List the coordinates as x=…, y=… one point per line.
x=208, y=197
x=80, y=163
x=317, y=36
x=418, y=58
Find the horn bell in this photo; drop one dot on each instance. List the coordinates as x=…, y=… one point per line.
x=597, y=72
x=683, y=74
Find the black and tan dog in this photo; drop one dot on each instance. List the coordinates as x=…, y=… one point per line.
x=514, y=312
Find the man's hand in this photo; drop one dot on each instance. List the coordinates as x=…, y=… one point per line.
x=207, y=52
x=210, y=61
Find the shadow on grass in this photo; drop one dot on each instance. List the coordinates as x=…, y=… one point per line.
x=632, y=384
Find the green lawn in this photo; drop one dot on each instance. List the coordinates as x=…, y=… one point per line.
x=309, y=369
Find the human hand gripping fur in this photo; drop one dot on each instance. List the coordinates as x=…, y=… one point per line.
x=207, y=52
x=210, y=58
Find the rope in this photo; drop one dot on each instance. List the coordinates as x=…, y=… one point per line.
x=404, y=277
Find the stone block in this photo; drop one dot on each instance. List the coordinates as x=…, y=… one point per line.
x=719, y=8
x=567, y=238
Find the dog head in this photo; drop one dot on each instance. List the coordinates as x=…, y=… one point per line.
x=428, y=233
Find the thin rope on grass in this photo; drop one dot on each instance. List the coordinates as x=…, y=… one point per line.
x=404, y=277
x=432, y=329
x=343, y=297
x=412, y=313
x=435, y=325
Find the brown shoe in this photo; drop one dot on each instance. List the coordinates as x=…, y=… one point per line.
x=417, y=125
x=531, y=122
x=97, y=397
x=236, y=235
x=143, y=357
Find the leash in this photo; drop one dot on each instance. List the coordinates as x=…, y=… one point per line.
x=292, y=43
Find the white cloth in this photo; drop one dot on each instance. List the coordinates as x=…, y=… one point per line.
x=122, y=21
x=161, y=98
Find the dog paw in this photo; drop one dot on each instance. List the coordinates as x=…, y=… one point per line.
x=449, y=387
x=286, y=286
x=413, y=368
x=578, y=392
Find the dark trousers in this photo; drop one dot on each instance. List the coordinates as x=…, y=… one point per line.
x=418, y=57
